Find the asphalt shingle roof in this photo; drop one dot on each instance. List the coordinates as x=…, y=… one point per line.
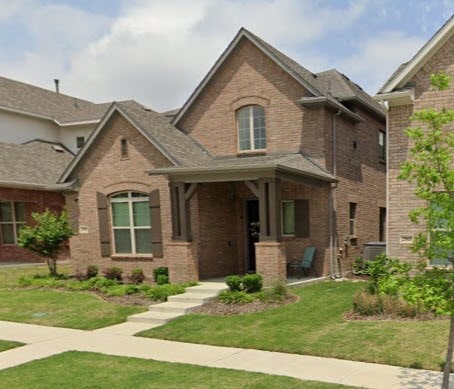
x=39, y=101
x=183, y=148
x=36, y=162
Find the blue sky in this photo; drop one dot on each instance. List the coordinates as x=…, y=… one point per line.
x=156, y=52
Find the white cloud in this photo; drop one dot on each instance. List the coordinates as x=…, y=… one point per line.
x=378, y=57
x=157, y=52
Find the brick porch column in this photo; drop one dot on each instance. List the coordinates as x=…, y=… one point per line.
x=182, y=260
x=271, y=262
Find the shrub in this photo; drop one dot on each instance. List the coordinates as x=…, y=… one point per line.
x=137, y=276
x=80, y=276
x=252, y=283
x=360, y=266
x=161, y=292
x=235, y=297
x=92, y=271
x=113, y=273
x=234, y=283
x=160, y=271
x=277, y=293
x=162, y=279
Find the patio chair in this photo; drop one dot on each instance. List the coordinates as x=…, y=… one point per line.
x=306, y=263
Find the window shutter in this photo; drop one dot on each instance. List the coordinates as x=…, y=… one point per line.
x=103, y=219
x=302, y=219
x=155, y=217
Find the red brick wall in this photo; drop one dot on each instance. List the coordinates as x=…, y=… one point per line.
x=401, y=199
x=102, y=170
x=35, y=201
x=249, y=77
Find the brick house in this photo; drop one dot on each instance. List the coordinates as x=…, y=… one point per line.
x=407, y=91
x=264, y=159
x=28, y=176
x=40, y=131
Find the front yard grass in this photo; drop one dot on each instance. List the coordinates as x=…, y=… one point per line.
x=90, y=370
x=315, y=326
x=53, y=307
x=6, y=345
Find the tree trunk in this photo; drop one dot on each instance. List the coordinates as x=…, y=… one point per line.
x=448, y=361
x=52, y=264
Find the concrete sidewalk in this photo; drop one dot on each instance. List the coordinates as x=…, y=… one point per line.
x=45, y=341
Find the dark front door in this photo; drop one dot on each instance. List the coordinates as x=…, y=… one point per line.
x=252, y=231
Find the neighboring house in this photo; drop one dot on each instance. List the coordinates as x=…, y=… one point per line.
x=28, y=112
x=40, y=131
x=408, y=90
x=28, y=174
x=263, y=160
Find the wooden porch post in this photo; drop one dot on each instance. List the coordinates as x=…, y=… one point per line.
x=180, y=194
x=270, y=209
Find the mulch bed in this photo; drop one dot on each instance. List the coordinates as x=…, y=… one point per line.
x=129, y=299
x=218, y=308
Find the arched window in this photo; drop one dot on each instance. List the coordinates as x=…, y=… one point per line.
x=251, y=128
x=131, y=223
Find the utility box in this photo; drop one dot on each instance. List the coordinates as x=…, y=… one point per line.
x=372, y=249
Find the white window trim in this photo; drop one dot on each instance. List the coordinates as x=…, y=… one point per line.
x=282, y=217
x=13, y=222
x=350, y=219
x=251, y=129
x=129, y=200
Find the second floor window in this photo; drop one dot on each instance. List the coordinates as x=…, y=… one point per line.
x=251, y=128
x=382, y=145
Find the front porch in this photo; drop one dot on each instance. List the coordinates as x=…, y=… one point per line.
x=237, y=221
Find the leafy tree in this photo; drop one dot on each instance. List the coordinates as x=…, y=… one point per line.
x=46, y=236
x=430, y=169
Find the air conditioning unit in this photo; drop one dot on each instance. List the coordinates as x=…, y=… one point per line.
x=372, y=249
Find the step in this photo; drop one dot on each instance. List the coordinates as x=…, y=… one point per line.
x=153, y=317
x=175, y=307
x=207, y=289
x=190, y=298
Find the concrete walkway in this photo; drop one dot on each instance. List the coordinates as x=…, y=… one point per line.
x=116, y=340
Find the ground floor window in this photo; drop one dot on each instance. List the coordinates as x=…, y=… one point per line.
x=131, y=223
x=12, y=219
x=288, y=218
x=382, y=224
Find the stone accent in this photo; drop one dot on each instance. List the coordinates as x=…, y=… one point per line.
x=271, y=262
x=182, y=258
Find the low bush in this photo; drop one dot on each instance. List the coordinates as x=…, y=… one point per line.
x=161, y=292
x=234, y=283
x=162, y=279
x=360, y=267
x=276, y=293
x=252, y=283
x=235, y=297
x=249, y=283
x=92, y=271
x=113, y=273
x=160, y=271
x=366, y=304
x=137, y=276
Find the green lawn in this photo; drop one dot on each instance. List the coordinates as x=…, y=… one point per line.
x=6, y=345
x=90, y=370
x=53, y=307
x=314, y=326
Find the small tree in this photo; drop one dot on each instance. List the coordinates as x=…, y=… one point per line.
x=46, y=236
x=430, y=169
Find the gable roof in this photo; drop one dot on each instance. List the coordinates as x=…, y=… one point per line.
x=19, y=97
x=309, y=80
x=343, y=89
x=34, y=164
x=407, y=70
x=179, y=148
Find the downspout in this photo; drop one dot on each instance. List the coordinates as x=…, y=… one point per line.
x=334, y=268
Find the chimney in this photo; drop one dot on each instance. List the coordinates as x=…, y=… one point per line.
x=57, y=81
